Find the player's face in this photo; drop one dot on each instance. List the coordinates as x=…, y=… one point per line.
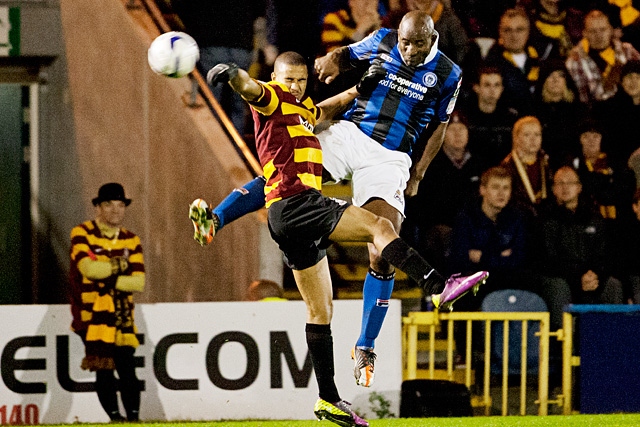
x=591, y=142
x=496, y=193
x=631, y=84
x=489, y=88
x=456, y=136
x=528, y=140
x=414, y=43
x=514, y=33
x=293, y=77
x=566, y=186
x=598, y=32
x=111, y=213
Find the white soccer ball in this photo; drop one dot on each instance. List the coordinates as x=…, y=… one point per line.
x=173, y=54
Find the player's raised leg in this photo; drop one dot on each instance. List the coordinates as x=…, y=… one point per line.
x=241, y=201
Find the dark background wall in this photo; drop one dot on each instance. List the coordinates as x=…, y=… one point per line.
x=105, y=116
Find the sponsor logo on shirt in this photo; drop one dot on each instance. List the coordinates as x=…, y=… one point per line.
x=405, y=87
x=306, y=124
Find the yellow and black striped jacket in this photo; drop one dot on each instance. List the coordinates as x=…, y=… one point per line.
x=102, y=315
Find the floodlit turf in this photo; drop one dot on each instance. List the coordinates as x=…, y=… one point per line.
x=617, y=420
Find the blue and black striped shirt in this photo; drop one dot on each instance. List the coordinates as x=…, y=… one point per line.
x=408, y=98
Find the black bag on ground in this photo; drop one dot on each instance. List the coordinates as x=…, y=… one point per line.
x=434, y=398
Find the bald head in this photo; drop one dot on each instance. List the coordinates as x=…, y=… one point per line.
x=416, y=36
x=416, y=21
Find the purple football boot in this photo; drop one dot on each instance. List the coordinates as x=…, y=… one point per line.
x=456, y=287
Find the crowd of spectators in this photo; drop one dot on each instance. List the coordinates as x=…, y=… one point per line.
x=550, y=97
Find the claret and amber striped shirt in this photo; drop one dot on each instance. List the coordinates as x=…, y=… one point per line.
x=289, y=152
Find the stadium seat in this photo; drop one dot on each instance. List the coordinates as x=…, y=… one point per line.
x=514, y=300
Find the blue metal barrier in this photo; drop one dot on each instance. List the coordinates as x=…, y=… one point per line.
x=608, y=343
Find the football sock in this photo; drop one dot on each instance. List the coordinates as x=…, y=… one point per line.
x=241, y=201
x=375, y=300
x=320, y=343
x=404, y=257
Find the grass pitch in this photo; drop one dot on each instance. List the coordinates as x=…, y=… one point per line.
x=617, y=420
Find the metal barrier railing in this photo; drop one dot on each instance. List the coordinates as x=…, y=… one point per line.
x=433, y=321
x=569, y=361
x=199, y=86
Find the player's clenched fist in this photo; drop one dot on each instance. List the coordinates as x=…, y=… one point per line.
x=222, y=73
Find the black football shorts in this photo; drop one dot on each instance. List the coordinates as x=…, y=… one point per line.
x=301, y=226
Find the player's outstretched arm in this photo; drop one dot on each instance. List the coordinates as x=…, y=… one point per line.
x=331, y=107
x=238, y=78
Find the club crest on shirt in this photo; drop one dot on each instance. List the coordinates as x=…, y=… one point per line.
x=429, y=79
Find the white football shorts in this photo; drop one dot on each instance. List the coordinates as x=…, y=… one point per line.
x=374, y=171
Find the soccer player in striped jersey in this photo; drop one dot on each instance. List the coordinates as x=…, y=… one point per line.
x=409, y=84
x=373, y=143
x=303, y=222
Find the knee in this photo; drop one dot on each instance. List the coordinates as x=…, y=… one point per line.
x=382, y=231
x=320, y=314
x=377, y=263
x=383, y=226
